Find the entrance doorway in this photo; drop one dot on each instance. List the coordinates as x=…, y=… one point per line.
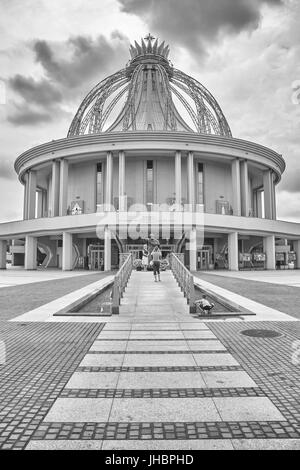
x=203, y=260
x=96, y=260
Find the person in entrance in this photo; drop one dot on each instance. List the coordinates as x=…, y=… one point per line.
x=204, y=305
x=156, y=257
x=145, y=258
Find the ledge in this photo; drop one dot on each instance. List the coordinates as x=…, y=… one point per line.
x=88, y=223
x=95, y=144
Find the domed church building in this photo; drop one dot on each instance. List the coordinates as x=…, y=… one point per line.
x=148, y=146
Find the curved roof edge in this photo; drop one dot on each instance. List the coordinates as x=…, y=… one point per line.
x=176, y=139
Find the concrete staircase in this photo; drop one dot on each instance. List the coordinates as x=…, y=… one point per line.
x=147, y=300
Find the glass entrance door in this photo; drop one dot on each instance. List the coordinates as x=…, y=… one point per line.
x=96, y=260
x=203, y=259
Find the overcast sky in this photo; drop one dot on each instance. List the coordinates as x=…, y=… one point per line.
x=246, y=52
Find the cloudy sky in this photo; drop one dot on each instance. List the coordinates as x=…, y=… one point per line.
x=246, y=52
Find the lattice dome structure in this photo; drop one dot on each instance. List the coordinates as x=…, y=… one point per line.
x=149, y=94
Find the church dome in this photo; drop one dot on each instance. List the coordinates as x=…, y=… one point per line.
x=149, y=94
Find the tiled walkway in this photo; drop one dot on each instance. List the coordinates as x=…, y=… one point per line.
x=159, y=378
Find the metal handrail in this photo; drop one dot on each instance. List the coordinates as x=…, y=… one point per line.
x=185, y=280
x=120, y=282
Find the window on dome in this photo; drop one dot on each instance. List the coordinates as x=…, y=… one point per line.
x=200, y=198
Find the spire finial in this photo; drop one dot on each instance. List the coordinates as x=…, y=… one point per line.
x=149, y=38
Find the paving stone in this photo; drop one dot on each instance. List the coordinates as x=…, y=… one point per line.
x=206, y=345
x=62, y=444
x=88, y=380
x=266, y=444
x=154, y=380
x=164, y=409
x=198, y=334
x=103, y=360
x=80, y=410
x=171, y=444
x=158, y=360
x=247, y=409
x=109, y=345
x=228, y=379
x=152, y=345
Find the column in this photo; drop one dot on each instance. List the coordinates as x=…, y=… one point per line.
x=109, y=181
x=3, y=245
x=40, y=195
x=45, y=205
x=259, y=204
x=30, y=252
x=25, y=206
x=191, y=179
x=296, y=246
x=31, y=194
x=54, y=206
x=273, y=197
x=107, y=249
x=63, y=187
x=269, y=249
x=244, y=181
x=178, y=191
x=233, y=252
x=236, y=187
x=67, y=252
x=193, y=249
x=268, y=194
x=122, y=197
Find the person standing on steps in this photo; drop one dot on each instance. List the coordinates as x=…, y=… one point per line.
x=156, y=257
x=145, y=258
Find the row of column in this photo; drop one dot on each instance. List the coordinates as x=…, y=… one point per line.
x=67, y=251
x=233, y=251
x=30, y=262
x=178, y=183
x=268, y=248
x=239, y=176
x=35, y=197
x=241, y=203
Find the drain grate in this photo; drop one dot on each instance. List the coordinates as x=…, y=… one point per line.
x=258, y=333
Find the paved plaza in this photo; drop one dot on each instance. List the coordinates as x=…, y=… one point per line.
x=152, y=377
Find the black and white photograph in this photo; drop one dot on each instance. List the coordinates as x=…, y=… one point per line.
x=149, y=228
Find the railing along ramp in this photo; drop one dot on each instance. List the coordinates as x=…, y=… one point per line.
x=185, y=280
x=120, y=283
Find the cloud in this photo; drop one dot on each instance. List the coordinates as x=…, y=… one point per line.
x=197, y=23
x=36, y=101
x=41, y=92
x=81, y=58
x=27, y=115
x=288, y=206
x=6, y=169
x=291, y=182
x=70, y=69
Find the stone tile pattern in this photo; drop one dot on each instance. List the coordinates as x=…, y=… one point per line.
x=157, y=430
x=43, y=357
x=237, y=345
x=268, y=362
x=40, y=359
